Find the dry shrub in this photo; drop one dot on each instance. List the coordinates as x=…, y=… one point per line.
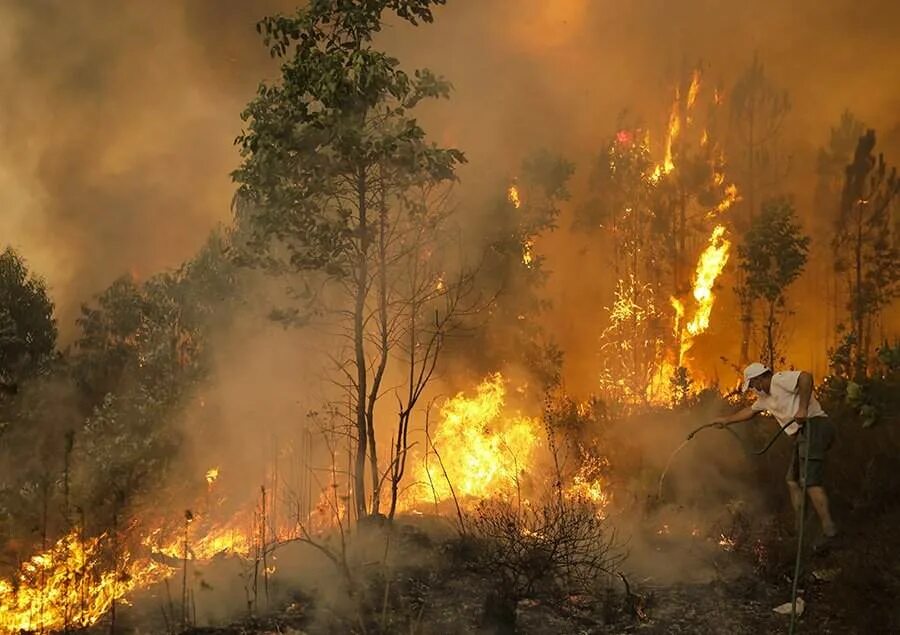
x=553, y=548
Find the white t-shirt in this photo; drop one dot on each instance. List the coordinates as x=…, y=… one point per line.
x=783, y=400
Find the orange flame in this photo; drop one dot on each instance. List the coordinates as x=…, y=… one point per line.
x=512, y=195
x=482, y=450
x=69, y=585
x=694, y=89
x=711, y=263
x=528, y=252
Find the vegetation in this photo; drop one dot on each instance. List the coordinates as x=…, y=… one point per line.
x=772, y=257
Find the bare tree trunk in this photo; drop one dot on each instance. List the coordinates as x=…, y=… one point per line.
x=859, y=364
x=362, y=274
x=383, y=352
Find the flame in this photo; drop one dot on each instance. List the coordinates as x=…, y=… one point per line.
x=512, y=195
x=731, y=196
x=673, y=129
x=527, y=252
x=483, y=450
x=329, y=511
x=679, y=315
x=588, y=484
x=75, y=582
x=710, y=264
x=211, y=475
x=694, y=89
x=672, y=132
x=233, y=537
x=71, y=584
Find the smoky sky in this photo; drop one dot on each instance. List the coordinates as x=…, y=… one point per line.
x=118, y=119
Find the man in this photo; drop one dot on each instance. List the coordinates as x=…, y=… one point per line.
x=788, y=396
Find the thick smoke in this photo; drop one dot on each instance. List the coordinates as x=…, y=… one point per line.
x=118, y=119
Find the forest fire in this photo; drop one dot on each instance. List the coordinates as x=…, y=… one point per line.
x=710, y=265
x=437, y=334
x=690, y=315
x=512, y=195
x=75, y=582
x=483, y=452
x=72, y=584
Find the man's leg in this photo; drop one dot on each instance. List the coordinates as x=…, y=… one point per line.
x=793, y=484
x=820, y=501
x=821, y=437
x=796, y=493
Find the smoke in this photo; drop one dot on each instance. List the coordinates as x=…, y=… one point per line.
x=118, y=119
x=117, y=126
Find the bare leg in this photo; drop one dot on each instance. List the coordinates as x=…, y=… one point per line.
x=820, y=501
x=796, y=493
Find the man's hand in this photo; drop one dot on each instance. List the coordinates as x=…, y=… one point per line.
x=801, y=414
x=720, y=422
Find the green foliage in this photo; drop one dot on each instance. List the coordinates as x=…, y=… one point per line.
x=151, y=334
x=772, y=257
x=126, y=445
x=339, y=188
x=141, y=354
x=618, y=183
x=870, y=399
x=27, y=325
x=840, y=358
x=774, y=251
x=333, y=136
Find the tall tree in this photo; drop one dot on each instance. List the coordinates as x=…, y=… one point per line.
x=772, y=257
x=624, y=206
x=863, y=245
x=27, y=325
x=333, y=164
x=758, y=112
x=831, y=167
x=759, y=109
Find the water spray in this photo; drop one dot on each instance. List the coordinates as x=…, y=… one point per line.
x=720, y=426
x=760, y=452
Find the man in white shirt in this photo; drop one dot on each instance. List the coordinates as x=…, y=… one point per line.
x=788, y=396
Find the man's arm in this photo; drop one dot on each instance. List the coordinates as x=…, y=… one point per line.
x=744, y=414
x=804, y=389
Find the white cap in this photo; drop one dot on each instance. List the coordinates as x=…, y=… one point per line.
x=753, y=370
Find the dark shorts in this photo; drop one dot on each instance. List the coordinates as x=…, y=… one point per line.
x=821, y=436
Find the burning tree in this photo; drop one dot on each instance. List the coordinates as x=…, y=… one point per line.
x=657, y=215
x=772, y=256
x=624, y=207
x=513, y=274
x=340, y=187
x=863, y=244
